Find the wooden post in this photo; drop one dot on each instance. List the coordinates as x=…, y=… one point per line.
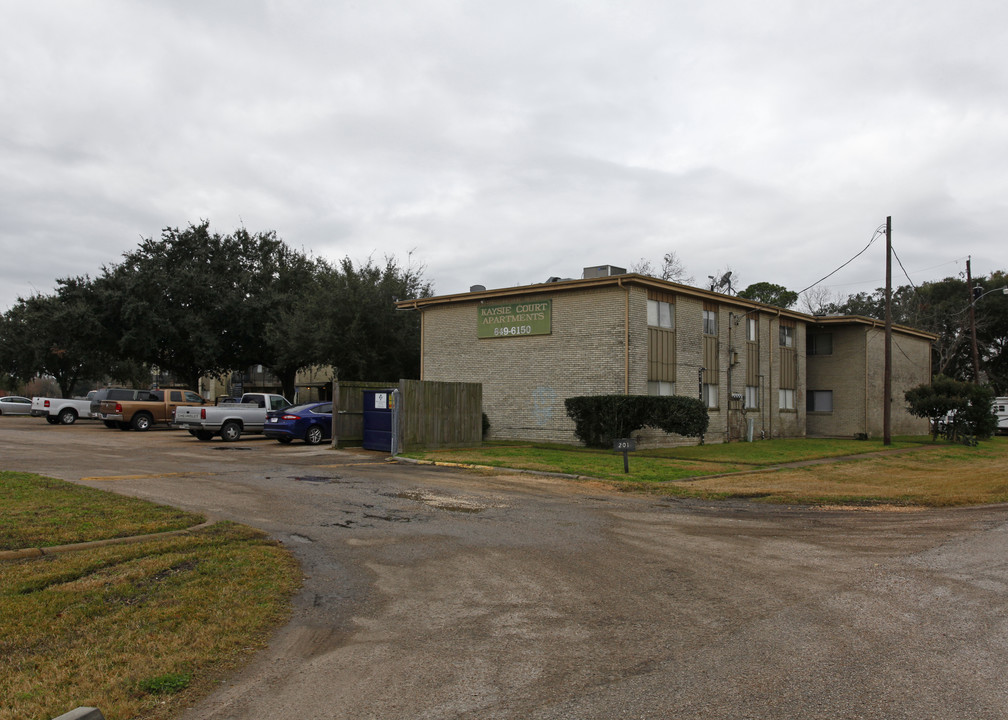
x=887, y=384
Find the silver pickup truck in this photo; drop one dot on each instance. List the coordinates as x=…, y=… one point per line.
x=229, y=420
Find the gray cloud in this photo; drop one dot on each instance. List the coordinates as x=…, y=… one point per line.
x=503, y=143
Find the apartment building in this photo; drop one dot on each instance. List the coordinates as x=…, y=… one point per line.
x=762, y=371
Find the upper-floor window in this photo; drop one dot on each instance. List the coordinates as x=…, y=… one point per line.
x=786, y=335
x=709, y=322
x=751, y=329
x=819, y=344
x=659, y=314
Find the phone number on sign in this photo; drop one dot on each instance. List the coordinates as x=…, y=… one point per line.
x=513, y=330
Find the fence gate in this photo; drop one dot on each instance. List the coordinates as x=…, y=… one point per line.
x=381, y=420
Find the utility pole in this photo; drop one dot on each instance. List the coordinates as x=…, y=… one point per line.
x=887, y=384
x=972, y=319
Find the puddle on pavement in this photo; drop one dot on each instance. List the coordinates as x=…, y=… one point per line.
x=315, y=478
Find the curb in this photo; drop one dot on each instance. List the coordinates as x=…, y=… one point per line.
x=37, y=552
x=495, y=468
x=753, y=471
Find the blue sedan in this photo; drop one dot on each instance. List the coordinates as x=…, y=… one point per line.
x=311, y=422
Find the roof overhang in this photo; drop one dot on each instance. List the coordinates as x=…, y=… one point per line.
x=648, y=282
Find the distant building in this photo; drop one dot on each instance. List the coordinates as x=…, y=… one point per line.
x=779, y=372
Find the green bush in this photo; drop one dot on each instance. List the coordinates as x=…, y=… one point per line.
x=968, y=406
x=599, y=419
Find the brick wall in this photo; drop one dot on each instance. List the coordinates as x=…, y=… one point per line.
x=526, y=379
x=855, y=372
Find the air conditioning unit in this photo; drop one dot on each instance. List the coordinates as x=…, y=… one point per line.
x=598, y=271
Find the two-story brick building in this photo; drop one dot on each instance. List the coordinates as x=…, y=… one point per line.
x=759, y=369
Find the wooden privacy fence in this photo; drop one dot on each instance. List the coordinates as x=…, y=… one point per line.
x=431, y=414
x=440, y=414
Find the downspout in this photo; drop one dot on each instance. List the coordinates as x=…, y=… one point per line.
x=423, y=328
x=866, y=409
x=770, y=412
x=728, y=405
x=626, y=337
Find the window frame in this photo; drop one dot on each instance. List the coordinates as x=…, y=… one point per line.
x=659, y=306
x=811, y=397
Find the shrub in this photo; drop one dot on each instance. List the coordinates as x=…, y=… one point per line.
x=599, y=419
x=968, y=405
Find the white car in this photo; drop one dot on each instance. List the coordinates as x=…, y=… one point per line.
x=15, y=405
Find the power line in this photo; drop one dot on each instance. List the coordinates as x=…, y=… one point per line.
x=903, y=269
x=880, y=229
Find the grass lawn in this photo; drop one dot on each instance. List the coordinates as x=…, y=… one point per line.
x=132, y=629
x=928, y=474
x=42, y=512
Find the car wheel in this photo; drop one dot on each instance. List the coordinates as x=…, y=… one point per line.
x=284, y=440
x=141, y=422
x=203, y=435
x=313, y=435
x=230, y=431
x=68, y=416
x=52, y=420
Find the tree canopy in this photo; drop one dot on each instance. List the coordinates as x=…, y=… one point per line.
x=771, y=294
x=194, y=302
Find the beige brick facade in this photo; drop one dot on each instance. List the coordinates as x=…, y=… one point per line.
x=854, y=371
x=598, y=344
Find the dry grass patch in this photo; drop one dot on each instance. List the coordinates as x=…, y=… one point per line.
x=935, y=476
x=137, y=629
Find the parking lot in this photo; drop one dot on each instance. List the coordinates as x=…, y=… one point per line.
x=440, y=593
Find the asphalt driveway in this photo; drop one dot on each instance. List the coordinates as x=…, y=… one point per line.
x=435, y=593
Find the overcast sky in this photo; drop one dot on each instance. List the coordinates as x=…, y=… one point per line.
x=502, y=143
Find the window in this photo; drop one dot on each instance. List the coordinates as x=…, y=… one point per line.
x=659, y=314
x=819, y=401
x=751, y=329
x=709, y=322
x=192, y=397
x=786, y=399
x=751, y=397
x=660, y=387
x=820, y=344
x=786, y=335
x=710, y=395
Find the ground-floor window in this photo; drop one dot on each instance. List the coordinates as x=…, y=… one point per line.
x=660, y=387
x=786, y=399
x=710, y=395
x=819, y=401
x=751, y=397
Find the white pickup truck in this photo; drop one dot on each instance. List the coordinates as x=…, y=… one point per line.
x=229, y=420
x=64, y=411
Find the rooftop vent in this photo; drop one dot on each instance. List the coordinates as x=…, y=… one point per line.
x=598, y=271
x=477, y=288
